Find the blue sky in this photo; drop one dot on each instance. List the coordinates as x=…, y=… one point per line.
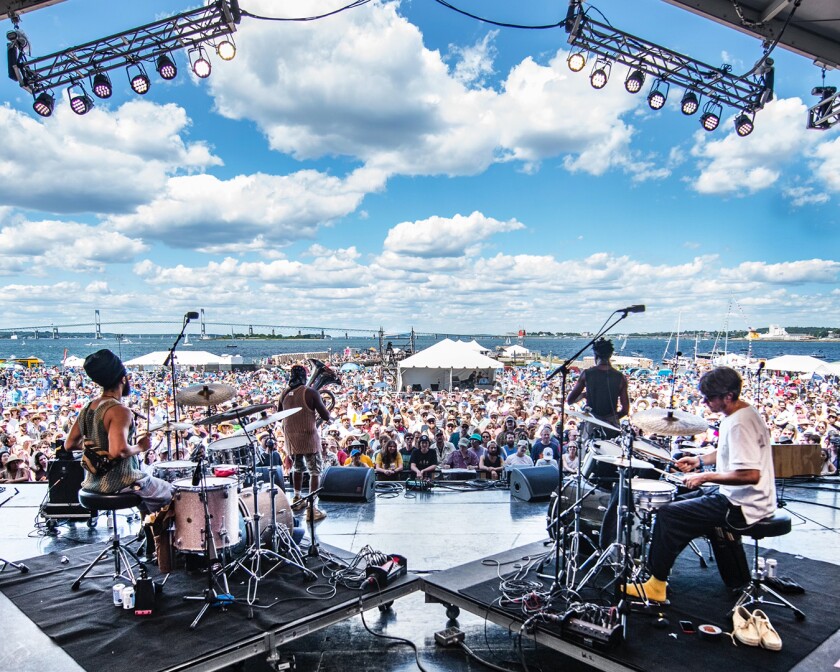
x=401, y=165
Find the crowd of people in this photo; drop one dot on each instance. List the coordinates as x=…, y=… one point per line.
x=516, y=421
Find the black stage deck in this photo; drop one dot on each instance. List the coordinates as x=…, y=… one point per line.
x=697, y=594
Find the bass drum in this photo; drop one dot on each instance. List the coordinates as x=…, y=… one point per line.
x=283, y=511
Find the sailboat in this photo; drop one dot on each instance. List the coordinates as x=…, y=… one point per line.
x=186, y=340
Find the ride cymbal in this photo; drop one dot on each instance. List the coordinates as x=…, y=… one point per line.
x=670, y=422
x=234, y=414
x=276, y=417
x=588, y=417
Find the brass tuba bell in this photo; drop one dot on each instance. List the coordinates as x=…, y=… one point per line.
x=321, y=376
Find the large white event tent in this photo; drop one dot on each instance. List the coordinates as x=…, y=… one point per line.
x=445, y=365
x=795, y=364
x=182, y=358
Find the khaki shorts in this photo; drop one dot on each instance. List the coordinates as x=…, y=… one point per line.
x=310, y=462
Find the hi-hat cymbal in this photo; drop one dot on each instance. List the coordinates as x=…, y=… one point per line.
x=588, y=417
x=170, y=426
x=234, y=414
x=617, y=461
x=670, y=422
x=207, y=394
x=276, y=417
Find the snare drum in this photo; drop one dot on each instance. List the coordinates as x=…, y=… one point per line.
x=174, y=470
x=225, y=470
x=223, y=506
x=649, y=494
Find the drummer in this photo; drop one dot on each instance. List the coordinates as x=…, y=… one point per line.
x=743, y=470
x=605, y=389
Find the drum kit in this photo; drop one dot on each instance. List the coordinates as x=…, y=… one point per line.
x=615, y=497
x=218, y=514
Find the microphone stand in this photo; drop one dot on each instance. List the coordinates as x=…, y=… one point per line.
x=170, y=362
x=560, y=541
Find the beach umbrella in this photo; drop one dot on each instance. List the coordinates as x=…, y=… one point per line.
x=350, y=366
x=381, y=385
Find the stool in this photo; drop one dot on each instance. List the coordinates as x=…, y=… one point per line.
x=775, y=525
x=123, y=555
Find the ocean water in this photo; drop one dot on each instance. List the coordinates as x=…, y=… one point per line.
x=256, y=349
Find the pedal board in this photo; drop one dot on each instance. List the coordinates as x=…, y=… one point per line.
x=412, y=484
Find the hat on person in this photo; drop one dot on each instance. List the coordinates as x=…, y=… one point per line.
x=104, y=368
x=14, y=458
x=357, y=443
x=355, y=452
x=548, y=454
x=464, y=443
x=522, y=442
x=475, y=437
x=423, y=437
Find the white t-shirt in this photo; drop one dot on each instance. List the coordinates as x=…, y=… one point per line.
x=744, y=443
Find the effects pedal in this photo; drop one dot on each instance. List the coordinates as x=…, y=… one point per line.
x=413, y=484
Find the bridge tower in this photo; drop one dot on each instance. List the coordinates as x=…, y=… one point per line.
x=203, y=326
x=97, y=325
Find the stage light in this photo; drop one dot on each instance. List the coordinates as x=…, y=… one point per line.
x=101, y=85
x=635, y=81
x=744, y=123
x=600, y=74
x=80, y=101
x=226, y=49
x=166, y=67
x=576, y=61
x=44, y=104
x=658, y=94
x=199, y=63
x=138, y=78
x=689, y=104
x=711, y=115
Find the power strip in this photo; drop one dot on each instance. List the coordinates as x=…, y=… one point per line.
x=449, y=637
x=593, y=634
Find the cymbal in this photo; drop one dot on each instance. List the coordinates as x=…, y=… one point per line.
x=699, y=451
x=170, y=426
x=617, y=461
x=276, y=417
x=588, y=417
x=669, y=421
x=234, y=414
x=207, y=394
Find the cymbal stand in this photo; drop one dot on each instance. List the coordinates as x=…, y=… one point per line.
x=251, y=561
x=211, y=596
x=561, y=549
x=617, y=553
x=313, y=551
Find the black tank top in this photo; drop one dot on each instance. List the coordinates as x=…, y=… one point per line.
x=602, y=390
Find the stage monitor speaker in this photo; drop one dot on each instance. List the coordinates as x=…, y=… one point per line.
x=348, y=483
x=531, y=483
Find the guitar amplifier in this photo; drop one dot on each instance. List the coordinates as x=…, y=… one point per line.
x=65, y=480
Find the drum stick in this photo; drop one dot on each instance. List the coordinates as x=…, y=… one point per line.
x=673, y=478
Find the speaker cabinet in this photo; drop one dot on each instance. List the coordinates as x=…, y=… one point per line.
x=533, y=483
x=355, y=484
x=65, y=480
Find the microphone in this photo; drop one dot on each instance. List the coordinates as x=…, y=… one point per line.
x=638, y=308
x=193, y=315
x=196, y=479
x=761, y=366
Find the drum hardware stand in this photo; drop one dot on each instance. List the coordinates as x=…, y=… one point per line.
x=561, y=544
x=314, y=551
x=170, y=362
x=3, y=562
x=251, y=560
x=211, y=595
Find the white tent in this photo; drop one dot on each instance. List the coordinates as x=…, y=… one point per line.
x=515, y=351
x=446, y=365
x=475, y=345
x=182, y=358
x=73, y=362
x=794, y=364
x=829, y=369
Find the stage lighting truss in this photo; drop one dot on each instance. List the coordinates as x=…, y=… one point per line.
x=747, y=93
x=825, y=113
x=211, y=24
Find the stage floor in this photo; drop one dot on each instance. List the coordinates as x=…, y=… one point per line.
x=435, y=531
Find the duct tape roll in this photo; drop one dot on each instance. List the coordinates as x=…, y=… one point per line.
x=709, y=631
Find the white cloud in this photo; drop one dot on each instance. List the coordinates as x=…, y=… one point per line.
x=445, y=237
x=826, y=164
x=70, y=246
x=803, y=195
x=787, y=273
x=740, y=166
x=102, y=162
x=474, y=64
x=247, y=212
